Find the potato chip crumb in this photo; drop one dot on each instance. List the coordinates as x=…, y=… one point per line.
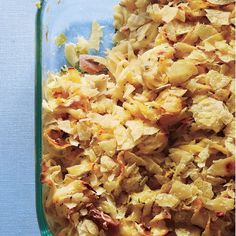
x=38, y=4
x=210, y=113
x=218, y=17
x=60, y=40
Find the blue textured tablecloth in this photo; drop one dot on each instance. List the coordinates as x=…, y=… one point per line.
x=17, y=189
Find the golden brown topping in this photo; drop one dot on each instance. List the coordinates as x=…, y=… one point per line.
x=143, y=142
x=104, y=219
x=56, y=137
x=223, y=167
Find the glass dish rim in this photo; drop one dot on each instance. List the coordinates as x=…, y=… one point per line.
x=43, y=226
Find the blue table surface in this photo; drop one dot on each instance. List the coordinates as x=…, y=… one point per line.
x=17, y=189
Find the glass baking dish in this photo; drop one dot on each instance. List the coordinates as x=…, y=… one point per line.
x=73, y=18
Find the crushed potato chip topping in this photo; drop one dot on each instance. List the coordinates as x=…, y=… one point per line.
x=142, y=141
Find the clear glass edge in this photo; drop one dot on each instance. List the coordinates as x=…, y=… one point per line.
x=43, y=226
